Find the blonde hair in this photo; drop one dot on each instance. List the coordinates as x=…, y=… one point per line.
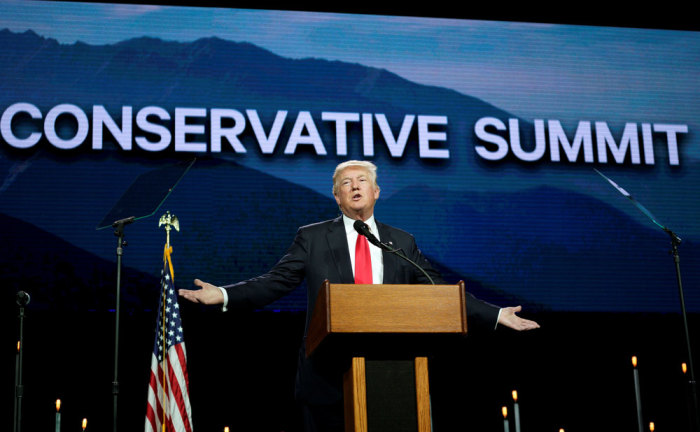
x=368, y=166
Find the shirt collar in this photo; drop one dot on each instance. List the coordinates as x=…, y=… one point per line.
x=349, y=225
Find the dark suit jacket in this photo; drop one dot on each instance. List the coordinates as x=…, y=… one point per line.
x=320, y=252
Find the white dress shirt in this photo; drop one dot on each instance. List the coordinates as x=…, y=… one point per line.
x=374, y=252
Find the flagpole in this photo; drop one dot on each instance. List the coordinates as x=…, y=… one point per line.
x=162, y=311
x=172, y=400
x=170, y=222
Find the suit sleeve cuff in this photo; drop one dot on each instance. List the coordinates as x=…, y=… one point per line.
x=224, y=307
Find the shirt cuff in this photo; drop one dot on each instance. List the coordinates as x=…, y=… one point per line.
x=494, y=327
x=225, y=304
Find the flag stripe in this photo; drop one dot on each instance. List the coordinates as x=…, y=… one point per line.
x=151, y=414
x=177, y=399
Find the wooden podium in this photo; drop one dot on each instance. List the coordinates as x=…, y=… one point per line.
x=402, y=320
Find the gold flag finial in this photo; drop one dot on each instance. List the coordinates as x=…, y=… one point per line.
x=170, y=222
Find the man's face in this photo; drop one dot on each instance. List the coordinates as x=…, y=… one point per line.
x=356, y=193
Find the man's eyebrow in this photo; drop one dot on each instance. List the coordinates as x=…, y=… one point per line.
x=350, y=177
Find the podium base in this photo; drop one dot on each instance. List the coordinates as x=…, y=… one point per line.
x=387, y=396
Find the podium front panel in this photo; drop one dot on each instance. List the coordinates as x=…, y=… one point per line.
x=397, y=309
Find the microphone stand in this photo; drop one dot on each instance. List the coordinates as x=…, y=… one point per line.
x=121, y=243
x=22, y=301
x=675, y=241
x=692, y=384
x=400, y=253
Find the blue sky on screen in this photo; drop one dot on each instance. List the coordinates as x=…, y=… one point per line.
x=605, y=73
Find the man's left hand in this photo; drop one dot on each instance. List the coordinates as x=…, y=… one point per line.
x=509, y=318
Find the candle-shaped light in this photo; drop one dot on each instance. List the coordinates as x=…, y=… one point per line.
x=684, y=368
x=58, y=415
x=226, y=429
x=516, y=411
x=84, y=424
x=506, y=425
x=651, y=427
x=637, y=394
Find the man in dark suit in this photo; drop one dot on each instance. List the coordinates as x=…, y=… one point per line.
x=333, y=250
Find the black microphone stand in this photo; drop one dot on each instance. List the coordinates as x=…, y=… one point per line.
x=121, y=243
x=675, y=241
x=22, y=301
x=692, y=384
x=400, y=253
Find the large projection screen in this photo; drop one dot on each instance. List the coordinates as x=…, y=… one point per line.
x=487, y=136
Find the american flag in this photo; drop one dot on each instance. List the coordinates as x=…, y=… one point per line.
x=168, y=407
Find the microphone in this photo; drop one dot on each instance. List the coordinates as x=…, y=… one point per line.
x=22, y=298
x=363, y=229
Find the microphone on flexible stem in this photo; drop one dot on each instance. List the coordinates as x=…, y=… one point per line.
x=363, y=229
x=22, y=298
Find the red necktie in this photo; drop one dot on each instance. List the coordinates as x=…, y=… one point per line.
x=363, y=263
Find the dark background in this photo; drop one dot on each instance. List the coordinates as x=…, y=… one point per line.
x=575, y=372
x=668, y=15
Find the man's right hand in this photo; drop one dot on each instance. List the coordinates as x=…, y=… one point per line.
x=208, y=294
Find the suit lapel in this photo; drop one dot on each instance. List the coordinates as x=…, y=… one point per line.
x=338, y=246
